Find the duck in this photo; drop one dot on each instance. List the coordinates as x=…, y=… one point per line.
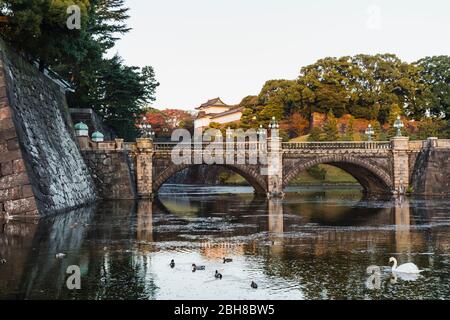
x=199, y=268
x=254, y=285
x=172, y=264
x=227, y=260
x=2, y=261
x=218, y=275
x=60, y=255
x=404, y=268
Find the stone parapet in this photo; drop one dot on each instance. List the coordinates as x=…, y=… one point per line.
x=86, y=143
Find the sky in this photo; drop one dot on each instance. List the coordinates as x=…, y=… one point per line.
x=202, y=49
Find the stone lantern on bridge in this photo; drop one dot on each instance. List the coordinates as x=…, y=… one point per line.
x=262, y=133
x=274, y=124
x=146, y=129
x=370, y=132
x=398, y=124
x=97, y=136
x=81, y=130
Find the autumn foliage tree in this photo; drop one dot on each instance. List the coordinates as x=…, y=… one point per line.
x=296, y=125
x=165, y=121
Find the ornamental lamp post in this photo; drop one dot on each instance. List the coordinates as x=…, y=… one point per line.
x=370, y=132
x=399, y=126
x=261, y=132
x=146, y=129
x=274, y=124
x=229, y=134
x=218, y=136
x=273, y=127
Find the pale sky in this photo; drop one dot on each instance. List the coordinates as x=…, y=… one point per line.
x=203, y=49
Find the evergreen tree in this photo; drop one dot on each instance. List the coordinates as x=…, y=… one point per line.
x=330, y=127
x=377, y=131
x=435, y=72
x=315, y=134
x=38, y=30
x=350, y=130
x=432, y=127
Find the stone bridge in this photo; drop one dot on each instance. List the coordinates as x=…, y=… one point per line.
x=137, y=170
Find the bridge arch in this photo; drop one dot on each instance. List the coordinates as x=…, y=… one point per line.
x=372, y=178
x=250, y=174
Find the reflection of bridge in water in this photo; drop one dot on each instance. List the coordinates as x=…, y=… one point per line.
x=279, y=216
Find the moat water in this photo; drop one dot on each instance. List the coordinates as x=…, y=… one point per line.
x=314, y=244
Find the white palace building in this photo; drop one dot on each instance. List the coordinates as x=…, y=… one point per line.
x=216, y=111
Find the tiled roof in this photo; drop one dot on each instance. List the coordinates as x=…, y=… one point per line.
x=212, y=102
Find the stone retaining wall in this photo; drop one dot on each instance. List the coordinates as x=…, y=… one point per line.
x=432, y=172
x=41, y=168
x=113, y=173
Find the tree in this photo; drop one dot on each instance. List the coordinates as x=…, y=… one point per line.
x=315, y=134
x=282, y=95
x=363, y=85
x=350, y=130
x=383, y=80
x=156, y=119
x=188, y=124
x=266, y=114
x=432, y=127
x=249, y=118
x=122, y=93
x=323, y=86
x=435, y=72
x=317, y=172
x=296, y=125
x=38, y=29
x=330, y=127
x=377, y=131
x=176, y=118
x=117, y=92
x=108, y=20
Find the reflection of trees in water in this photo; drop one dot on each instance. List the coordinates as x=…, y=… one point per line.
x=100, y=243
x=348, y=210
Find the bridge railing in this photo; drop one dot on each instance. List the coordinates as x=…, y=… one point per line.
x=169, y=146
x=366, y=145
x=443, y=143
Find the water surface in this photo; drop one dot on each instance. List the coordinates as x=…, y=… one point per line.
x=314, y=244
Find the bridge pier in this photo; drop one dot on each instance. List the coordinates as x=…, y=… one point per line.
x=401, y=176
x=144, y=168
x=275, y=167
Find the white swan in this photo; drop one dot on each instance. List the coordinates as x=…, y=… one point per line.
x=404, y=276
x=404, y=268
